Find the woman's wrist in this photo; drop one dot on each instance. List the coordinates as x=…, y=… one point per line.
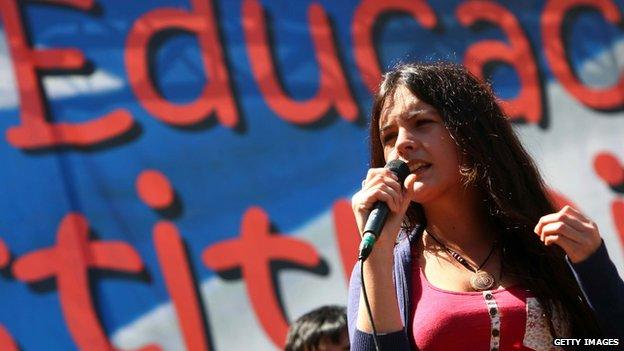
x=380, y=260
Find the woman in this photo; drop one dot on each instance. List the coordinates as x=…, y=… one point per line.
x=473, y=254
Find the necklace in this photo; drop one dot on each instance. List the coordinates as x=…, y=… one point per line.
x=481, y=280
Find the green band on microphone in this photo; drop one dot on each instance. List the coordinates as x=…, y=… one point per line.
x=366, y=245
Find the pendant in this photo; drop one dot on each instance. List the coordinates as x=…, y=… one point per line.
x=482, y=280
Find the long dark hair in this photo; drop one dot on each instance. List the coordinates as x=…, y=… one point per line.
x=495, y=162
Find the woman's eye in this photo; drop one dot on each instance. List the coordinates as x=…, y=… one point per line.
x=422, y=122
x=387, y=138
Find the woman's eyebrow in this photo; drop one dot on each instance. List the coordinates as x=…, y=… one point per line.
x=411, y=113
x=417, y=111
x=384, y=128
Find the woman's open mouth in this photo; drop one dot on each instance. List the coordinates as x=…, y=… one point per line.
x=419, y=167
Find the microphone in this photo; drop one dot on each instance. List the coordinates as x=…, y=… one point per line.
x=377, y=217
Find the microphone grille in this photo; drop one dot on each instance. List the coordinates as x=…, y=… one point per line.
x=399, y=168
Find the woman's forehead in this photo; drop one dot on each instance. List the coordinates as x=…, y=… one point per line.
x=403, y=104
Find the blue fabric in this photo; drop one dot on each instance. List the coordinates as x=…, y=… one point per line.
x=603, y=289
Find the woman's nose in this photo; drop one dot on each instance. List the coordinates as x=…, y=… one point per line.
x=405, y=143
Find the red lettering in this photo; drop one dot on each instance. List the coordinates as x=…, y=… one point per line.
x=518, y=54
x=252, y=253
x=68, y=261
x=364, y=19
x=34, y=131
x=347, y=235
x=154, y=189
x=6, y=340
x=551, y=22
x=174, y=265
x=617, y=211
x=216, y=95
x=609, y=169
x=333, y=88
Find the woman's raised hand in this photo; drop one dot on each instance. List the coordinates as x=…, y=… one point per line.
x=381, y=184
x=576, y=234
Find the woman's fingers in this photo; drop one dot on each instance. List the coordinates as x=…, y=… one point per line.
x=575, y=252
x=379, y=173
x=564, y=215
x=565, y=243
x=385, y=181
x=380, y=185
x=392, y=183
x=385, y=193
x=572, y=231
x=409, y=181
x=575, y=213
x=561, y=229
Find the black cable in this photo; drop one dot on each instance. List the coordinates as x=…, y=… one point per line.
x=370, y=314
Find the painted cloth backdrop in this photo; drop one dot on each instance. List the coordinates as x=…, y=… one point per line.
x=176, y=173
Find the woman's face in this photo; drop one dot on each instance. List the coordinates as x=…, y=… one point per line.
x=413, y=131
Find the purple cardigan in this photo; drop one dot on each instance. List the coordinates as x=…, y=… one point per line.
x=597, y=277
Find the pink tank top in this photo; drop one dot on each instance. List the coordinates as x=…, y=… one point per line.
x=503, y=319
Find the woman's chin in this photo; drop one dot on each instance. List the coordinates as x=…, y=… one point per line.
x=420, y=193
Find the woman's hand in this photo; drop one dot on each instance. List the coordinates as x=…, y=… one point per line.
x=381, y=185
x=577, y=235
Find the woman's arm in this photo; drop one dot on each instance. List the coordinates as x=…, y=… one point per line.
x=361, y=340
x=604, y=290
x=379, y=185
x=381, y=294
x=587, y=255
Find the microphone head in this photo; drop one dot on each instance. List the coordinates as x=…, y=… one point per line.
x=399, y=168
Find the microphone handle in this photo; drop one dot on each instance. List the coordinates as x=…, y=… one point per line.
x=372, y=229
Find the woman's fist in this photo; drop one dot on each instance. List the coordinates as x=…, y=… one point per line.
x=576, y=234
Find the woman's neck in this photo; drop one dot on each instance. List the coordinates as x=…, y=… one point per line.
x=460, y=222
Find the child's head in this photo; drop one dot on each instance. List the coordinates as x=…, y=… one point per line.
x=323, y=329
